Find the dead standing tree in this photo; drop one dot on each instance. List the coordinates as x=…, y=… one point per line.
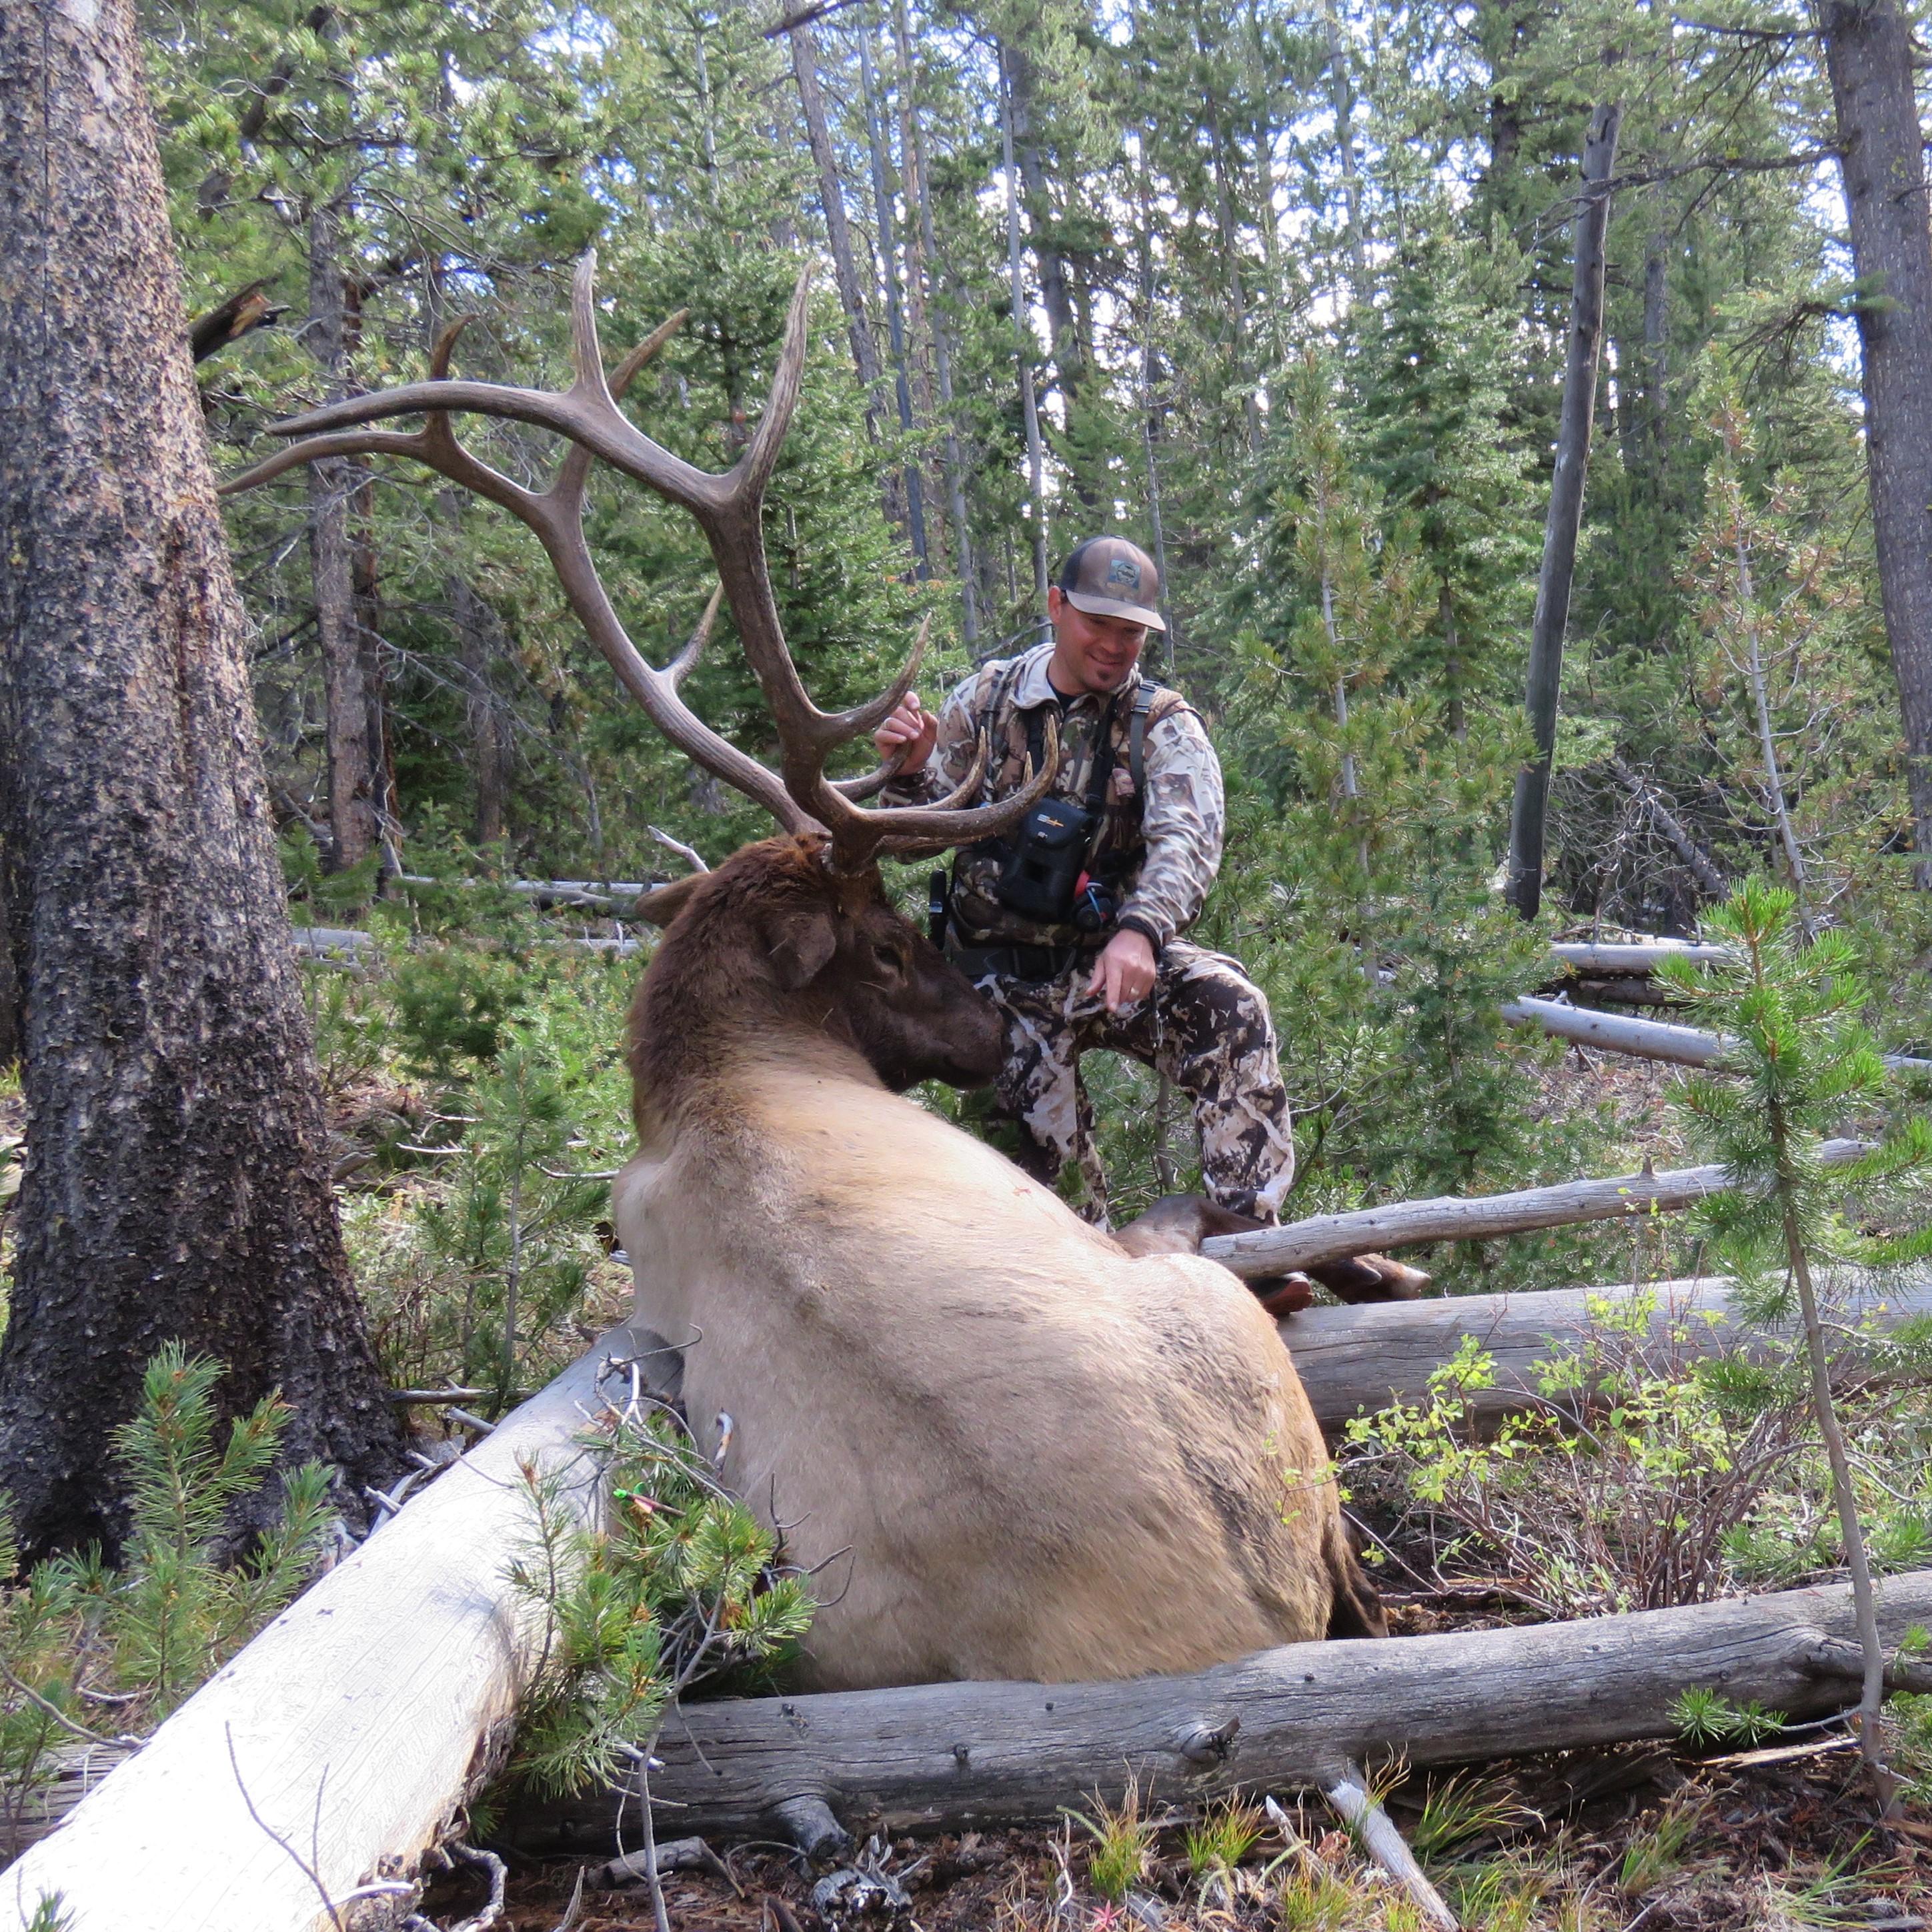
x=1566, y=510
x=176, y=1184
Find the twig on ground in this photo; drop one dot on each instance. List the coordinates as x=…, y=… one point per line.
x=1350, y=1795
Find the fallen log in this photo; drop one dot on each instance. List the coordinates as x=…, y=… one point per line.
x=965, y=1757
x=339, y=1744
x=1455, y=1217
x=1354, y=1361
x=1632, y=958
x=1647, y=1039
x=367, y=1713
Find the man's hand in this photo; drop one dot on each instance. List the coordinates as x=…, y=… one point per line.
x=905, y=740
x=1124, y=974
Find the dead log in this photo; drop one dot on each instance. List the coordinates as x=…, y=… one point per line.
x=1623, y=958
x=966, y=1756
x=351, y=1730
x=1647, y=1039
x=1354, y=1361
x=1454, y=1217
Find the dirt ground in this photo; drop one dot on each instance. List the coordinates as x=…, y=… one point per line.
x=1635, y=1839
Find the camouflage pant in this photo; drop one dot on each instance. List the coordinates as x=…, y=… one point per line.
x=1206, y=1026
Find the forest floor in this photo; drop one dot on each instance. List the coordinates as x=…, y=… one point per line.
x=1631, y=1839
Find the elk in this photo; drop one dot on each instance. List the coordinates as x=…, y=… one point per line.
x=1007, y=1447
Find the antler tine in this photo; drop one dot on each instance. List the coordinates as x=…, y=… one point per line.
x=575, y=468
x=680, y=667
x=908, y=831
x=556, y=516
x=444, y=345
x=587, y=356
x=314, y=448
x=875, y=711
x=753, y=470
x=585, y=413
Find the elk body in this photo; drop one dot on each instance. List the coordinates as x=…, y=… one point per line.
x=1007, y=1447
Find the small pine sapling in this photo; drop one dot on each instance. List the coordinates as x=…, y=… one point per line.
x=1801, y=1066
x=682, y=1583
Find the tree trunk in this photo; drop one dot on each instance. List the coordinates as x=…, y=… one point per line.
x=9, y=984
x=1566, y=510
x=949, y=1757
x=352, y=821
x=479, y=632
x=832, y=199
x=1024, y=340
x=1055, y=292
x=942, y=346
x=176, y=1183
x=1868, y=51
x=889, y=264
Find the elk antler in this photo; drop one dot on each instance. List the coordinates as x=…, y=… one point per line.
x=727, y=508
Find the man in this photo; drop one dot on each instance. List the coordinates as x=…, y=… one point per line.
x=1071, y=924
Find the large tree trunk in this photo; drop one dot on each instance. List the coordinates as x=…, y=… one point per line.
x=176, y=1183
x=1868, y=50
x=1566, y=510
x=352, y=822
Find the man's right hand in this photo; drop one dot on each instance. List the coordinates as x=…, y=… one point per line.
x=905, y=740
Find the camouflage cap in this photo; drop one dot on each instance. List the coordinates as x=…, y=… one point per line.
x=1108, y=576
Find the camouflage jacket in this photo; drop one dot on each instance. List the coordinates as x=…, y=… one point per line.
x=1160, y=854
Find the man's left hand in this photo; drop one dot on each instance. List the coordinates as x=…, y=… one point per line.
x=1124, y=973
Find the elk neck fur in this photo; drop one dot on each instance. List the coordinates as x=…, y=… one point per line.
x=1007, y=1448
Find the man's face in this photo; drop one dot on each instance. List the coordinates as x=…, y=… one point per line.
x=1089, y=653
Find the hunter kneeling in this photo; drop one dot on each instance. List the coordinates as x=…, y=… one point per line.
x=1071, y=924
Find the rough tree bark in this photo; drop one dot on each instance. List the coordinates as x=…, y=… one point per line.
x=1868, y=51
x=1566, y=509
x=176, y=1183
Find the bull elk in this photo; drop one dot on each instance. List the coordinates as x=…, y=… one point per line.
x=1011, y=1448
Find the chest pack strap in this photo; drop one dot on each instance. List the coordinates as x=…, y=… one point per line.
x=1101, y=767
x=1137, y=726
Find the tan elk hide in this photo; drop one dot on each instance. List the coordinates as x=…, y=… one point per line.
x=1004, y=1446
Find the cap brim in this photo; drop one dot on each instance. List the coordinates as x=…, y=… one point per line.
x=1112, y=607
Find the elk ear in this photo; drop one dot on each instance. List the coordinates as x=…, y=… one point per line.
x=801, y=946
x=661, y=905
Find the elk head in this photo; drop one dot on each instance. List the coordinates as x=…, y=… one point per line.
x=832, y=943
x=788, y=945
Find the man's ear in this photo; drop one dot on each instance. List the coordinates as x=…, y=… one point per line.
x=801, y=945
x=659, y=907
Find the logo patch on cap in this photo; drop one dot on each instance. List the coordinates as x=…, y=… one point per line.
x=1123, y=573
